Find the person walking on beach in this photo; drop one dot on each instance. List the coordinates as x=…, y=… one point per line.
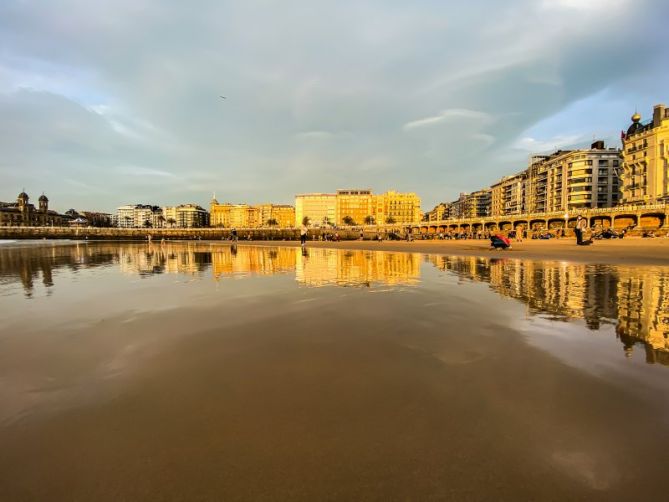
x=581, y=225
x=303, y=235
x=234, y=235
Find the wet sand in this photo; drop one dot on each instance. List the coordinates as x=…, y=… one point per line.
x=180, y=387
x=628, y=251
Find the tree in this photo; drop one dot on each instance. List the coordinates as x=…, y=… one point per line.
x=326, y=221
x=306, y=220
x=390, y=220
x=171, y=222
x=147, y=224
x=369, y=220
x=348, y=220
x=272, y=222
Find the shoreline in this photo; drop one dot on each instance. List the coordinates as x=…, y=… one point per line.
x=628, y=251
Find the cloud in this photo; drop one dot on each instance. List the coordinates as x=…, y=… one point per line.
x=534, y=145
x=449, y=115
x=351, y=93
x=314, y=135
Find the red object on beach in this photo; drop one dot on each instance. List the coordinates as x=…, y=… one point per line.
x=504, y=239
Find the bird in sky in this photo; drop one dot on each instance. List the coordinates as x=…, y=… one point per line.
x=223, y=97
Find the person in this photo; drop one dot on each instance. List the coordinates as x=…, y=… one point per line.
x=303, y=235
x=234, y=235
x=581, y=225
x=499, y=241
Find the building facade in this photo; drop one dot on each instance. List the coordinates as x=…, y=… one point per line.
x=139, y=216
x=354, y=207
x=507, y=196
x=573, y=179
x=234, y=215
x=186, y=216
x=472, y=205
x=24, y=214
x=440, y=212
x=319, y=208
x=646, y=159
x=279, y=215
x=396, y=207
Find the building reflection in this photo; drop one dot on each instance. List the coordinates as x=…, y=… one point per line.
x=635, y=300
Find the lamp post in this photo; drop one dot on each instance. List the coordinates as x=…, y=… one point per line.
x=566, y=222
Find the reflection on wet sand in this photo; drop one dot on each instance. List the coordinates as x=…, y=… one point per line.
x=119, y=381
x=634, y=299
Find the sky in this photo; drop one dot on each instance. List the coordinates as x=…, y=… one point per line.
x=105, y=103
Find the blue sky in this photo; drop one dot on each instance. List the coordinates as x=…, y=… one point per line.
x=104, y=103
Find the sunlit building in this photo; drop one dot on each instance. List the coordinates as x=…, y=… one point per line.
x=234, y=215
x=280, y=215
x=440, y=212
x=573, y=179
x=396, y=207
x=472, y=205
x=507, y=196
x=646, y=159
x=354, y=207
x=319, y=208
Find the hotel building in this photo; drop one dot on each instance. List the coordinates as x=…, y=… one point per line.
x=354, y=207
x=646, y=159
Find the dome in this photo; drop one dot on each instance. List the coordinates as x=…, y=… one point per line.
x=23, y=196
x=43, y=198
x=636, y=124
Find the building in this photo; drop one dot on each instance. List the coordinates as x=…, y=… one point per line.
x=355, y=207
x=646, y=159
x=396, y=207
x=440, y=212
x=319, y=208
x=507, y=196
x=139, y=216
x=472, y=205
x=573, y=179
x=279, y=215
x=186, y=216
x=97, y=219
x=234, y=215
x=24, y=214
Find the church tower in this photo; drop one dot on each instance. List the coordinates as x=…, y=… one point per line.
x=43, y=204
